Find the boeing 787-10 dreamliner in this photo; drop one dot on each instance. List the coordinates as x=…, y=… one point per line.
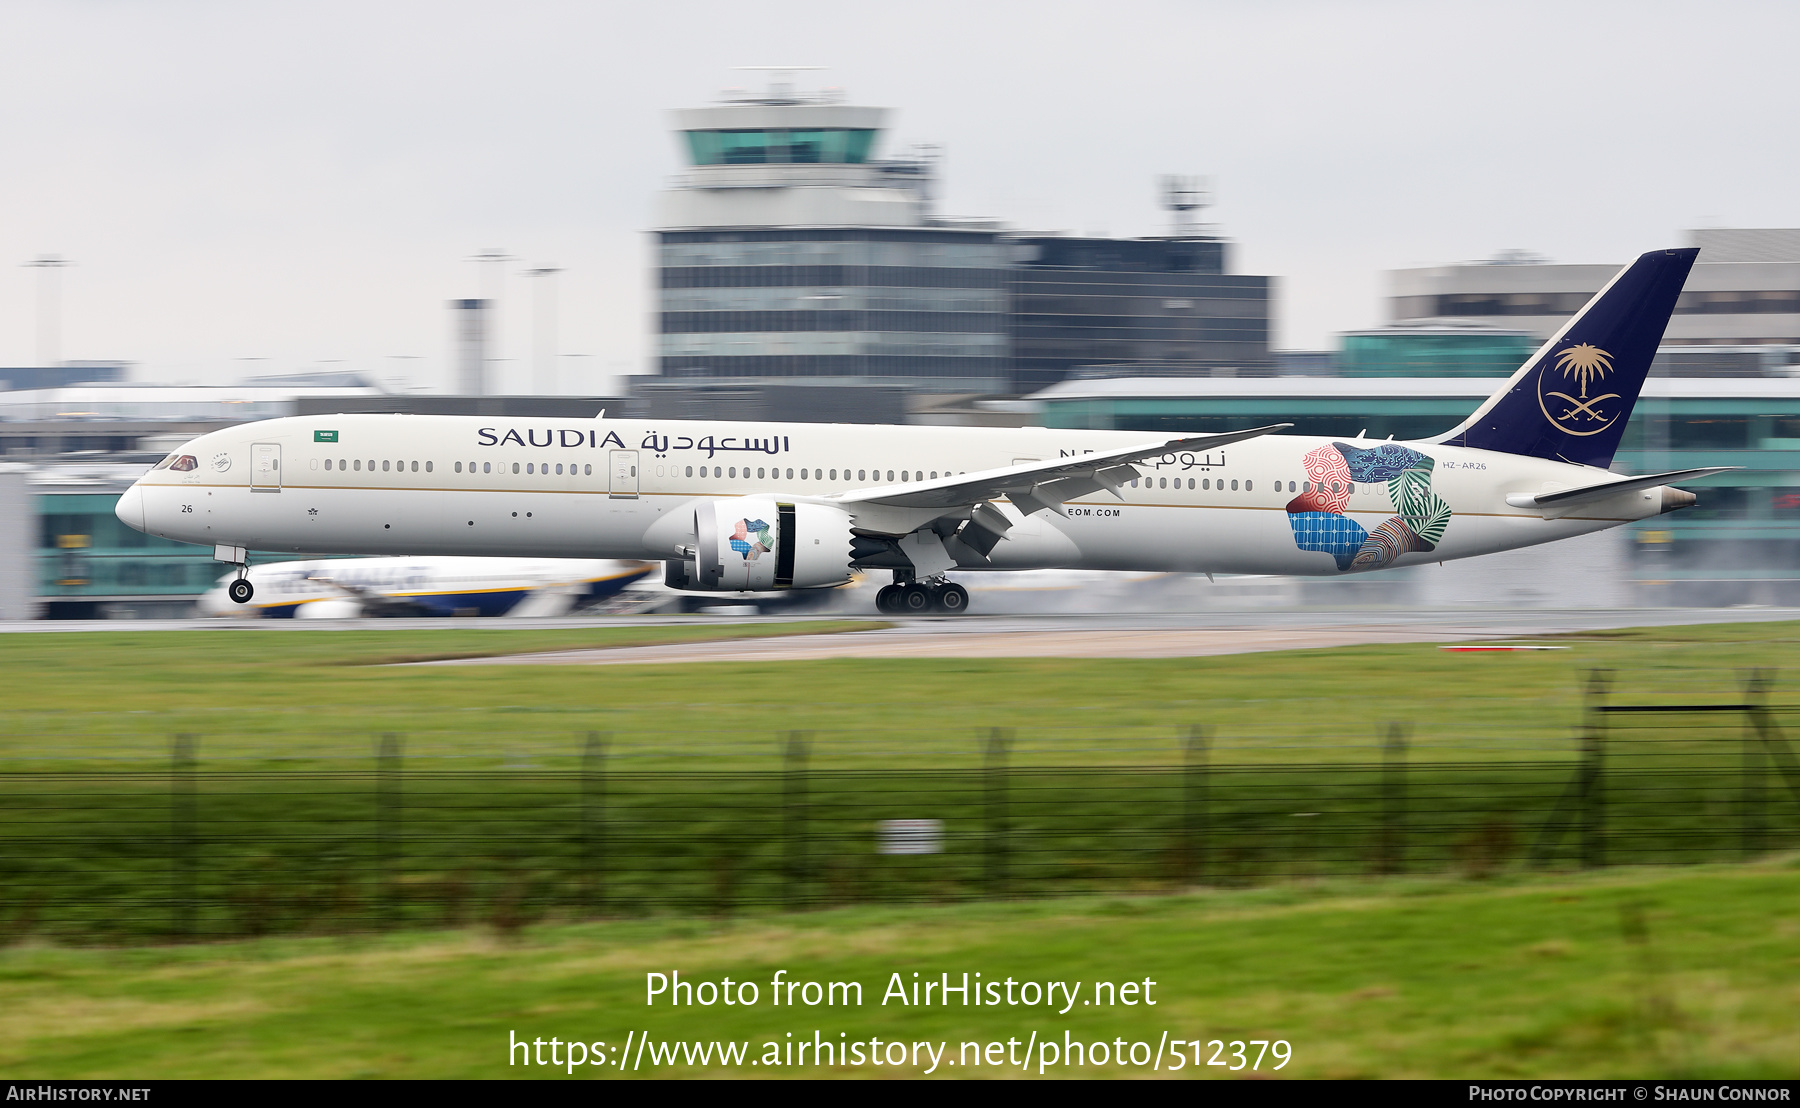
x=754, y=507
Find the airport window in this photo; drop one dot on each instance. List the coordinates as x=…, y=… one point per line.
x=1134, y=482
x=586, y=470
x=1163, y=482
x=515, y=467
x=528, y=468
x=459, y=467
x=1206, y=483
x=1350, y=488
x=859, y=475
x=384, y=465
x=1290, y=486
x=690, y=471
x=415, y=467
x=934, y=475
x=1249, y=486
x=487, y=467
x=559, y=470
x=790, y=475
x=1234, y=486
x=327, y=465
x=359, y=465
x=1190, y=482
x=427, y=467
x=759, y=473
x=890, y=475
x=803, y=475
x=733, y=471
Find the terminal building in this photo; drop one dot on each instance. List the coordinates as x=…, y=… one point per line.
x=794, y=248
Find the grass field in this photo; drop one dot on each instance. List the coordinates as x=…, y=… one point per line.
x=1480, y=967
x=296, y=699
x=1692, y=972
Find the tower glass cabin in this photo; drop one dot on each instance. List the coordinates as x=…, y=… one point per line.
x=790, y=249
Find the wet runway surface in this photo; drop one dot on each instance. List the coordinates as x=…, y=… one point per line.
x=1166, y=635
x=1174, y=636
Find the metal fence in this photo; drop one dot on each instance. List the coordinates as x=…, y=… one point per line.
x=197, y=852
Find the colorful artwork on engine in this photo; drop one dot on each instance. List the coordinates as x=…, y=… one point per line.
x=1317, y=514
x=751, y=537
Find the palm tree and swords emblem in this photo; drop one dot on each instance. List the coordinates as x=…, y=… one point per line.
x=1584, y=364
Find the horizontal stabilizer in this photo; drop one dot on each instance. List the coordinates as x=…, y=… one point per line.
x=1563, y=498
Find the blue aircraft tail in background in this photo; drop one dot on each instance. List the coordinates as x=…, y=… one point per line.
x=1571, y=400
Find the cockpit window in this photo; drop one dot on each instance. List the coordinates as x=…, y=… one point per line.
x=184, y=464
x=166, y=462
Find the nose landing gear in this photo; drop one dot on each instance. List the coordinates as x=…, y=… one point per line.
x=239, y=590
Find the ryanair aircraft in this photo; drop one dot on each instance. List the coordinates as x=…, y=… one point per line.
x=730, y=507
x=344, y=588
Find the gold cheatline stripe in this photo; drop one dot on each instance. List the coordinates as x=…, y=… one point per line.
x=690, y=496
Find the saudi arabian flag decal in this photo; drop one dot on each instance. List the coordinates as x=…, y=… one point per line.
x=324, y=436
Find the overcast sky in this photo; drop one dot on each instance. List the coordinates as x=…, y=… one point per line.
x=253, y=187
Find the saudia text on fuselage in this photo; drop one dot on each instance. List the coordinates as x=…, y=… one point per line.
x=661, y=445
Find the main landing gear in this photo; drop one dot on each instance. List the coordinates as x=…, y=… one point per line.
x=240, y=591
x=918, y=598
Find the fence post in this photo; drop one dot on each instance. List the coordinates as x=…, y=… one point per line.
x=183, y=815
x=1593, y=758
x=1194, y=829
x=593, y=822
x=387, y=826
x=1753, y=801
x=1393, y=800
x=793, y=817
x=994, y=798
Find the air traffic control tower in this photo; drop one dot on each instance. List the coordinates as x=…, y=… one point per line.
x=793, y=247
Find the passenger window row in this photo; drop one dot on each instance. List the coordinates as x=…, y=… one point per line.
x=767, y=473
x=388, y=465
x=1207, y=484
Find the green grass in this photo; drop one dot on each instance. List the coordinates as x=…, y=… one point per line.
x=1520, y=974
x=697, y=815
x=1684, y=973
x=291, y=699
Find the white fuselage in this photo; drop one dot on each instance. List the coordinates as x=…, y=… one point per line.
x=617, y=488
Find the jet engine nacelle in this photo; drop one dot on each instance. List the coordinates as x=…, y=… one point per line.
x=756, y=543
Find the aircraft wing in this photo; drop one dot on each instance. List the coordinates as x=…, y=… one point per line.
x=1036, y=486
x=1568, y=497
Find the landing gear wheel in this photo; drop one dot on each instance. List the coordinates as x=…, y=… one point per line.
x=952, y=599
x=888, y=599
x=240, y=591
x=915, y=599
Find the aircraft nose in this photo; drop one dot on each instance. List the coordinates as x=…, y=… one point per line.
x=130, y=508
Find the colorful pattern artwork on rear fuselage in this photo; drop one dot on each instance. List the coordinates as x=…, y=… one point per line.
x=751, y=537
x=1318, y=519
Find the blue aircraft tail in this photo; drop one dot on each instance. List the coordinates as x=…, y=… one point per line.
x=1570, y=401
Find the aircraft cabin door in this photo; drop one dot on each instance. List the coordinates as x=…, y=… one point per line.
x=265, y=467
x=624, y=485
